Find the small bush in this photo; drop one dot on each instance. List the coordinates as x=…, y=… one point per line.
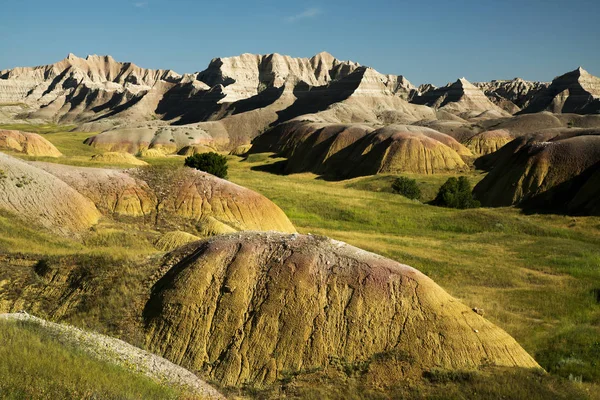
x=212, y=163
x=406, y=187
x=456, y=193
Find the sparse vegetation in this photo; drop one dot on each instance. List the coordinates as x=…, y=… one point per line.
x=213, y=163
x=35, y=366
x=407, y=187
x=456, y=193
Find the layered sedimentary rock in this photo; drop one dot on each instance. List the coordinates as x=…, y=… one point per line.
x=183, y=197
x=488, y=142
x=208, y=200
x=78, y=90
x=113, y=191
x=37, y=196
x=458, y=97
x=574, y=92
x=342, y=151
x=247, y=75
x=173, y=240
x=554, y=170
x=114, y=157
x=248, y=308
x=31, y=144
x=511, y=95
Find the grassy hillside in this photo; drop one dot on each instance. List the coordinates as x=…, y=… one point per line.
x=536, y=276
x=35, y=365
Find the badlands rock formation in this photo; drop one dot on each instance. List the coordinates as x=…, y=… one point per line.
x=574, y=92
x=216, y=205
x=460, y=97
x=113, y=157
x=79, y=90
x=37, y=196
x=554, y=170
x=31, y=144
x=224, y=106
x=488, y=142
x=342, y=151
x=512, y=95
x=112, y=191
x=249, y=307
x=205, y=203
x=173, y=240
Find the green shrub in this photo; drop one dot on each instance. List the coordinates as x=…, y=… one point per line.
x=212, y=163
x=456, y=193
x=406, y=187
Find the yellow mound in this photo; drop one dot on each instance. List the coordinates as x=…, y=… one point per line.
x=210, y=226
x=117, y=158
x=113, y=191
x=250, y=307
x=241, y=150
x=152, y=153
x=29, y=143
x=173, y=240
x=39, y=197
x=488, y=142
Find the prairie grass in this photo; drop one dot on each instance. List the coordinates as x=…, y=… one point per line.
x=35, y=365
x=536, y=276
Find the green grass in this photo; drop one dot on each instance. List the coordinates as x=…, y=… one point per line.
x=534, y=275
x=428, y=184
x=35, y=365
x=37, y=128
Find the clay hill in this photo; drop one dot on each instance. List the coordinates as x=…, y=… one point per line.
x=248, y=308
x=27, y=143
x=40, y=197
x=69, y=199
x=554, y=170
x=574, y=92
x=350, y=150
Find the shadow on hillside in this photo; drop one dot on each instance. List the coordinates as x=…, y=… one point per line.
x=276, y=168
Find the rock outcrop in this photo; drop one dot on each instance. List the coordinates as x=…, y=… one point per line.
x=488, y=142
x=511, y=95
x=554, y=170
x=112, y=191
x=247, y=308
x=574, y=92
x=458, y=98
x=37, y=196
x=343, y=151
x=31, y=144
x=114, y=157
x=79, y=90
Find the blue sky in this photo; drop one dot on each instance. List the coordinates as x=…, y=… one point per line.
x=433, y=41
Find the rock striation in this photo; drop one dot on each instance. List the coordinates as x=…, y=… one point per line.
x=511, y=95
x=458, y=98
x=574, y=92
x=248, y=308
x=37, y=196
x=343, y=151
x=554, y=170
x=31, y=144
